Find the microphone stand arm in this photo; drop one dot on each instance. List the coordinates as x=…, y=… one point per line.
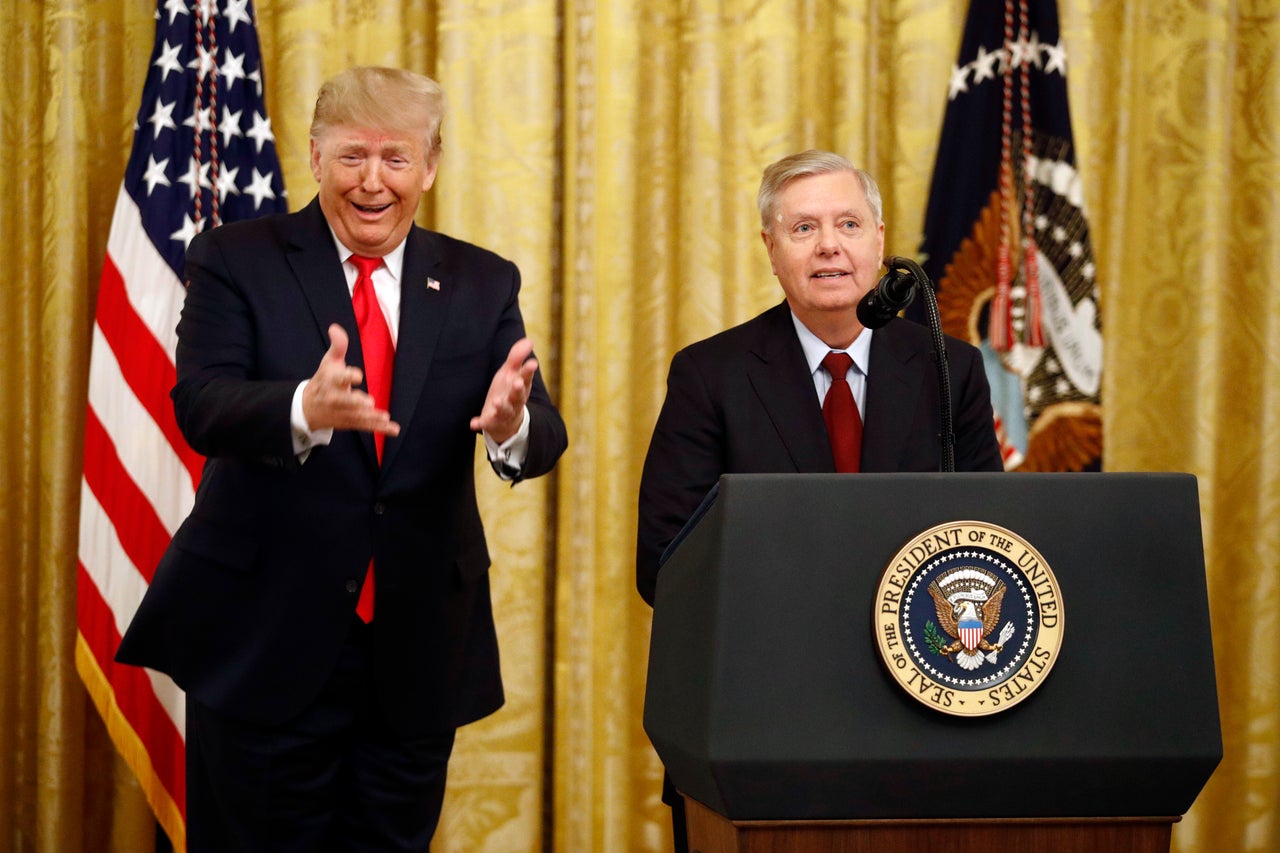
x=925, y=286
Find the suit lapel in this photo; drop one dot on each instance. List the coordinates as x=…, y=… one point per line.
x=314, y=260
x=895, y=374
x=423, y=309
x=780, y=377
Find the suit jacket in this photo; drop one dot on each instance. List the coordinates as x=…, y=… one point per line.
x=252, y=601
x=743, y=401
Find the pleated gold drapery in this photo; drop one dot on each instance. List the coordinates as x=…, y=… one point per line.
x=612, y=149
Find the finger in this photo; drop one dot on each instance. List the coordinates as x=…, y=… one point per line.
x=383, y=425
x=517, y=393
x=338, y=342
x=484, y=422
x=358, y=403
x=369, y=420
x=527, y=370
x=519, y=385
x=488, y=413
x=519, y=353
x=356, y=410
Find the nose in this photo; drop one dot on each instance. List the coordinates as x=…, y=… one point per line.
x=371, y=177
x=827, y=244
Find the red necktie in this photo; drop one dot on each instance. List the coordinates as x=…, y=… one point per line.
x=379, y=356
x=844, y=424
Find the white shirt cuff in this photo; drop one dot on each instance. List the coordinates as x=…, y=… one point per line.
x=509, y=455
x=304, y=438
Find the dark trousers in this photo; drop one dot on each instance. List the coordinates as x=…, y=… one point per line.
x=333, y=779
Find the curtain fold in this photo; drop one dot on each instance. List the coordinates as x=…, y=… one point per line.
x=612, y=150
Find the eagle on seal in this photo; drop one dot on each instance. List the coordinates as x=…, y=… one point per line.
x=969, y=623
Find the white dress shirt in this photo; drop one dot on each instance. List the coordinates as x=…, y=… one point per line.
x=386, y=286
x=815, y=350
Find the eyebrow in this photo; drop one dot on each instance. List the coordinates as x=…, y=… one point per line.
x=361, y=147
x=847, y=212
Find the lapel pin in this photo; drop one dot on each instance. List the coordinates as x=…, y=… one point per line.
x=432, y=284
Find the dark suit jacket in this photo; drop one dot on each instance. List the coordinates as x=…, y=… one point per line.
x=252, y=600
x=743, y=401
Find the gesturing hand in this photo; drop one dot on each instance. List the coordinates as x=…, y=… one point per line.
x=504, y=406
x=332, y=400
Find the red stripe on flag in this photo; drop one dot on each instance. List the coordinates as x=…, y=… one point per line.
x=133, y=692
x=146, y=367
x=142, y=534
x=135, y=319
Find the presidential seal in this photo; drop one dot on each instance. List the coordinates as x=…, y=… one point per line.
x=968, y=618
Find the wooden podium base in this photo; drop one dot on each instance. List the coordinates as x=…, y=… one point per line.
x=710, y=832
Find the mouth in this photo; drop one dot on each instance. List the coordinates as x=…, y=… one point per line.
x=830, y=274
x=371, y=209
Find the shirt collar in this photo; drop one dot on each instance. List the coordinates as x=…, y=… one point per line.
x=393, y=260
x=815, y=350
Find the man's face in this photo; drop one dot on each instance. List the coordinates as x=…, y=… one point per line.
x=370, y=184
x=824, y=245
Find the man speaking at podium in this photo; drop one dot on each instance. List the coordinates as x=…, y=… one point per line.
x=773, y=394
x=326, y=604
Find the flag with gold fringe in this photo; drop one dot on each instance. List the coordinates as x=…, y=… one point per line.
x=1006, y=239
x=203, y=153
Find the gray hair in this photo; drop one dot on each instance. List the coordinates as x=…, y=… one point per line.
x=811, y=162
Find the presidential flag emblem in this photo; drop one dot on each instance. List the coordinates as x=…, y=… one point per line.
x=1006, y=238
x=968, y=618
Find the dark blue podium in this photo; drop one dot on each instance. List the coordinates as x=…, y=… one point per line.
x=769, y=704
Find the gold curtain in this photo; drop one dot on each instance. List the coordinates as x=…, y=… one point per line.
x=612, y=149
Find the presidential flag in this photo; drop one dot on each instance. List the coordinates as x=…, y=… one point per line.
x=1006, y=240
x=203, y=154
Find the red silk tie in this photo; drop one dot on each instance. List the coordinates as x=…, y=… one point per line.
x=379, y=356
x=844, y=424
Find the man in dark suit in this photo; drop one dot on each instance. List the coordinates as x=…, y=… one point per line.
x=750, y=399
x=326, y=604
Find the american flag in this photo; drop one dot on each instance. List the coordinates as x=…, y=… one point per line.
x=203, y=153
x=1007, y=241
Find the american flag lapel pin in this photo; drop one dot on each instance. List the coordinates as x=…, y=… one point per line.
x=432, y=284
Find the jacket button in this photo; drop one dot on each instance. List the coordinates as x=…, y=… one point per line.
x=353, y=586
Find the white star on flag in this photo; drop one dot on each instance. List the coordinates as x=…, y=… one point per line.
x=187, y=173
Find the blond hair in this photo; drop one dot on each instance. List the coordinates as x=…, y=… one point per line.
x=382, y=98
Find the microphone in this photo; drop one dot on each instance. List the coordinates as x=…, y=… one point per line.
x=882, y=303
x=895, y=291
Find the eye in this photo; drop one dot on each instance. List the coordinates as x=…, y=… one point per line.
x=849, y=225
x=804, y=228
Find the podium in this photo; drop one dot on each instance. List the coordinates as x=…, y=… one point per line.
x=777, y=719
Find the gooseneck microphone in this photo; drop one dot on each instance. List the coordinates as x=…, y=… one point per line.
x=894, y=292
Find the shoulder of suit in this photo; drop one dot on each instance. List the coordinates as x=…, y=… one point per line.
x=447, y=247
x=247, y=231
x=904, y=333
x=743, y=336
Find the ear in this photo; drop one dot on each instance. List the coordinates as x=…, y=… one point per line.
x=767, y=236
x=429, y=177
x=315, y=159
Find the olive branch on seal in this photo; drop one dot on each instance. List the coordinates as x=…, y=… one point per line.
x=932, y=638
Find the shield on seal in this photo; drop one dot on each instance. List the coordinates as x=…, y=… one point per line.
x=970, y=633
